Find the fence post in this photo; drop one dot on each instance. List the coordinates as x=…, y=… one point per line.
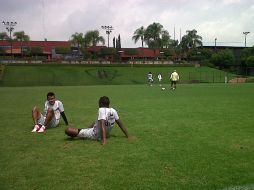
x=226, y=78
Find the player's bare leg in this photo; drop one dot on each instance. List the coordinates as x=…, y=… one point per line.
x=49, y=116
x=35, y=115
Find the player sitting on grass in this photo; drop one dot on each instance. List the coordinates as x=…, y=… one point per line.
x=52, y=112
x=100, y=129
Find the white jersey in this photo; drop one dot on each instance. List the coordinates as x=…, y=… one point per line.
x=159, y=77
x=110, y=116
x=150, y=76
x=57, y=108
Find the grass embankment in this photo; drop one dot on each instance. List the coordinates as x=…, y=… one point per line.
x=69, y=75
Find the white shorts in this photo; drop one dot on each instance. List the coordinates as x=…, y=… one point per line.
x=53, y=123
x=88, y=133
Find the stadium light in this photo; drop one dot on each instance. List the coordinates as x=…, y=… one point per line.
x=108, y=31
x=9, y=27
x=245, y=33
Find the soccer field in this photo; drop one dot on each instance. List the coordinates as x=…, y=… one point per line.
x=198, y=137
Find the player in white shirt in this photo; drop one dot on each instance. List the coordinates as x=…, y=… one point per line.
x=160, y=78
x=101, y=128
x=150, y=78
x=53, y=111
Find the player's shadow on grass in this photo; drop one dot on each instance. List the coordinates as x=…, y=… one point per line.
x=78, y=138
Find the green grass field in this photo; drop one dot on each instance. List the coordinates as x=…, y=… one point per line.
x=198, y=137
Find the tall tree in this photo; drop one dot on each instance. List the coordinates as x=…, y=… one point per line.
x=165, y=39
x=77, y=39
x=114, y=42
x=152, y=35
x=191, y=40
x=93, y=37
x=139, y=35
x=118, y=44
x=3, y=36
x=21, y=37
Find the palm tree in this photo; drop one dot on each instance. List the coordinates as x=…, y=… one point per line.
x=77, y=39
x=165, y=39
x=3, y=36
x=93, y=38
x=191, y=40
x=152, y=35
x=139, y=35
x=21, y=37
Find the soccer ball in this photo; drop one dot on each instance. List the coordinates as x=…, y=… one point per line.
x=163, y=88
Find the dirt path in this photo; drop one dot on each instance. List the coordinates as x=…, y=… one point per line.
x=237, y=80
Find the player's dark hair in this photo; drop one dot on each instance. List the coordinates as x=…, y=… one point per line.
x=104, y=101
x=50, y=94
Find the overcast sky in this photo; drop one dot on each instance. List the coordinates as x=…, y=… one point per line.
x=57, y=20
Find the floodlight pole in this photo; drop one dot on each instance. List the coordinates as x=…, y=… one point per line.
x=245, y=33
x=9, y=27
x=108, y=31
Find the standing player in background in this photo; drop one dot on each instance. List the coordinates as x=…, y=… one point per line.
x=160, y=78
x=101, y=128
x=52, y=112
x=150, y=78
x=174, y=77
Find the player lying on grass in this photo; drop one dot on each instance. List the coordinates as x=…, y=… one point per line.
x=52, y=113
x=100, y=129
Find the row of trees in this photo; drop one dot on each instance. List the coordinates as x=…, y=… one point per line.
x=18, y=36
x=90, y=38
x=155, y=36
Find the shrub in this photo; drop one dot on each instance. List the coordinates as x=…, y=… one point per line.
x=224, y=58
x=250, y=61
x=62, y=50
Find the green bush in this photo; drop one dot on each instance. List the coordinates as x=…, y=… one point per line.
x=35, y=51
x=62, y=50
x=224, y=58
x=108, y=51
x=131, y=51
x=250, y=61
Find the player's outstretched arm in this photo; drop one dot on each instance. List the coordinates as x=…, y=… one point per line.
x=124, y=130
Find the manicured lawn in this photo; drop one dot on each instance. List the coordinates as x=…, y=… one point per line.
x=198, y=137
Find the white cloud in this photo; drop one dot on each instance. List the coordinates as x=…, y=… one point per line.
x=59, y=19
